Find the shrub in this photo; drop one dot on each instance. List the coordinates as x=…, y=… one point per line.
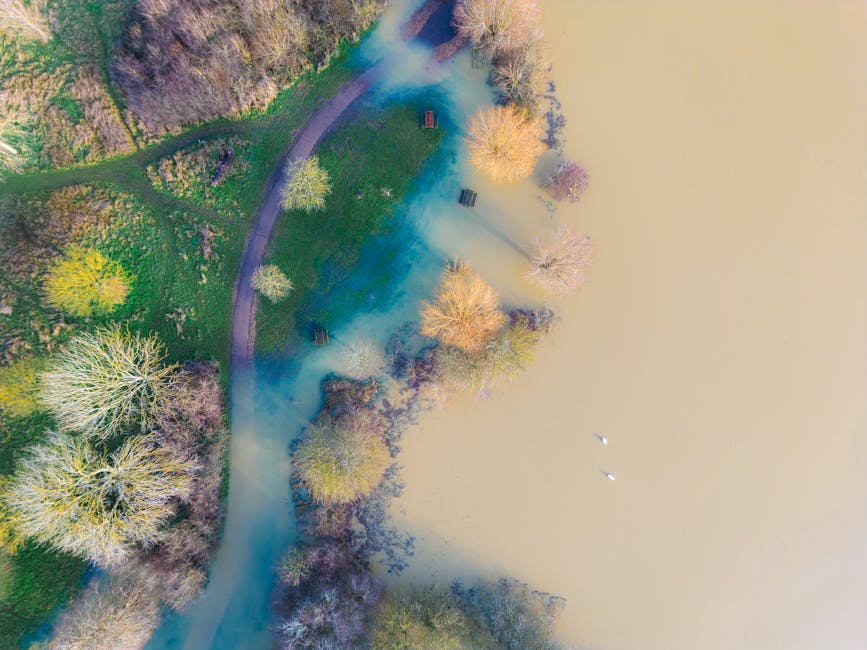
x=98, y=506
x=106, y=380
x=19, y=386
x=496, y=26
x=25, y=20
x=465, y=311
x=84, y=280
x=519, y=617
x=182, y=62
x=431, y=620
x=567, y=181
x=343, y=459
x=309, y=183
x=512, y=351
x=329, y=605
x=271, y=282
x=560, y=260
x=504, y=142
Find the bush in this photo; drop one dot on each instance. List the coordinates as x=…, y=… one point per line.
x=106, y=380
x=84, y=281
x=521, y=75
x=431, y=620
x=465, y=311
x=567, y=181
x=326, y=604
x=504, y=142
x=183, y=62
x=19, y=386
x=560, y=261
x=271, y=282
x=308, y=185
x=96, y=505
x=517, y=616
x=344, y=459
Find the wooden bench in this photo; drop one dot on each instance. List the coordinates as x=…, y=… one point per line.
x=468, y=198
x=429, y=119
x=320, y=336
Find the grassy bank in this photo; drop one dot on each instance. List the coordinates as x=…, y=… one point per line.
x=373, y=160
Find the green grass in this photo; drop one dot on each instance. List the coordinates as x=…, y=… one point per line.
x=154, y=237
x=319, y=250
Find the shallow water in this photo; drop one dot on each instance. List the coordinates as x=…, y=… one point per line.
x=718, y=343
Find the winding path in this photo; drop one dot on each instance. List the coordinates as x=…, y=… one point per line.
x=244, y=311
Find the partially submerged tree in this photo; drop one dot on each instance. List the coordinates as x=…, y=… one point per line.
x=431, y=619
x=567, y=181
x=496, y=26
x=465, y=312
x=84, y=281
x=309, y=184
x=521, y=74
x=512, y=351
x=26, y=20
x=519, y=618
x=344, y=459
x=504, y=142
x=97, y=505
x=325, y=599
x=106, y=380
x=560, y=261
x=271, y=282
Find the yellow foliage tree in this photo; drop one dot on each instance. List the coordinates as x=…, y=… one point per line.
x=19, y=386
x=465, y=312
x=504, y=142
x=345, y=459
x=85, y=280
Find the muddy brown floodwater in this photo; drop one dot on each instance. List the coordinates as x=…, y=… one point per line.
x=718, y=345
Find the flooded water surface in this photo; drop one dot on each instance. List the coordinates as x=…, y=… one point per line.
x=718, y=344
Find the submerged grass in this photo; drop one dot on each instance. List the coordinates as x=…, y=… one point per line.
x=372, y=160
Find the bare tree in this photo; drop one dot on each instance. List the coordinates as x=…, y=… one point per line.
x=504, y=142
x=496, y=26
x=465, y=312
x=26, y=20
x=106, y=380
x=271, y=282
x=561, y=260
x=113, y=613
x=567, y=181
x=96, y=505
